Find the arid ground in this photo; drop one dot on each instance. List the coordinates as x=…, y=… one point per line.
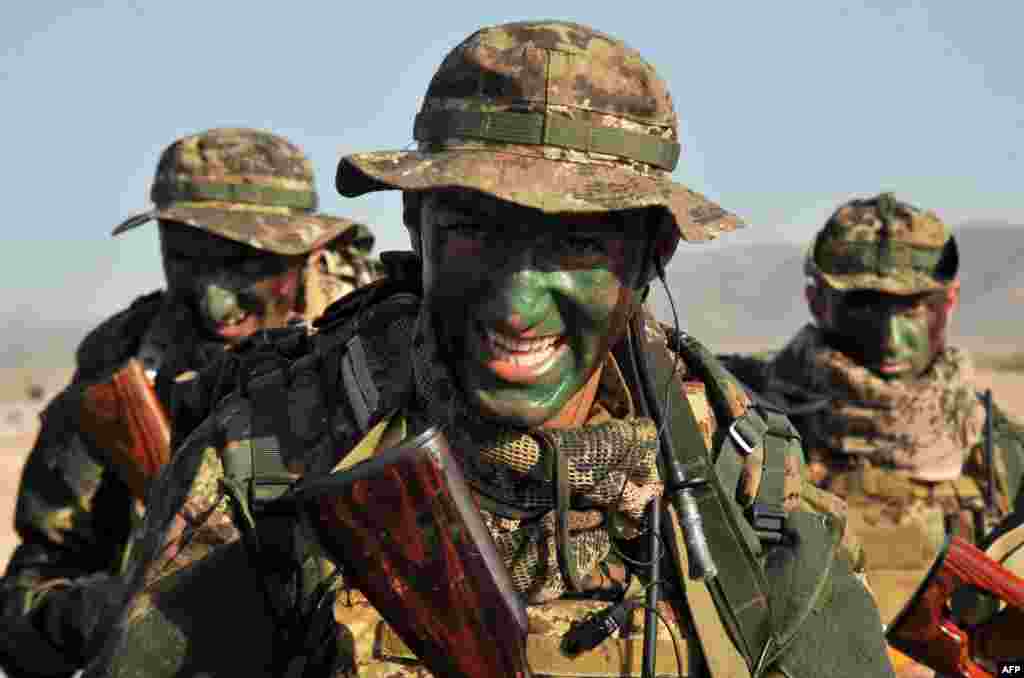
x=19, y=417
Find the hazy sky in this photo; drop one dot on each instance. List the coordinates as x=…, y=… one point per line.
x=787, y=108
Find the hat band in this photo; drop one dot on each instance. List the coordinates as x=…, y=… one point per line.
x=874, y=257
x=547, y=130
x=255, y=194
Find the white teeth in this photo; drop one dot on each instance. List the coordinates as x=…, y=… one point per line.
x=524, y=352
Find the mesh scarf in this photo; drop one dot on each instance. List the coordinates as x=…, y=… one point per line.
x=926, y=427
x=611, y=468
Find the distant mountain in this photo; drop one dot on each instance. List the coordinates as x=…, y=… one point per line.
x=753, y=294
x=746, y=296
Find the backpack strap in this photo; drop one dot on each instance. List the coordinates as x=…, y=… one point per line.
x=758, y=442
x=739, y=590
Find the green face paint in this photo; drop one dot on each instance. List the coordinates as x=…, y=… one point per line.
x=894, y=336
x=234, y=289
x=528, y=305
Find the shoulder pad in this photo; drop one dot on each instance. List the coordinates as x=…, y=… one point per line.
x=1008, y=438
x=797, y=571
x=117, y=338
x=726, y=392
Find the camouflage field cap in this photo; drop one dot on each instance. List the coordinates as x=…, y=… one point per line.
x=245, y=185
x=883, y=244
x=550, y=115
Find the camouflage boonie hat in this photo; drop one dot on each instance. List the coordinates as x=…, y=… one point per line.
x=550, y=115
x=883, y=244
x=246, y=185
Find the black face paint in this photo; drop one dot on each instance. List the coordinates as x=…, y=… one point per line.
x=892, y=335
x=527, y=303
x=235, y=289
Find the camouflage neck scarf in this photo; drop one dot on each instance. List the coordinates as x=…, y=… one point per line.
x=926, y=427
x=611, y=467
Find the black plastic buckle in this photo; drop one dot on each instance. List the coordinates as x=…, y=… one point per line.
x=768, y=522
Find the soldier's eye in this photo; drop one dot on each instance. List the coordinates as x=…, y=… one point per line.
x=584, y=245
x=464, y=229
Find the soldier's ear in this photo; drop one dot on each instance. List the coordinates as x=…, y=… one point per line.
x=411, y=217
x=952, y=297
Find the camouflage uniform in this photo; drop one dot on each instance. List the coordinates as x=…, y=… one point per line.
x=74, y=514
x=550, y=116
x=908, y=457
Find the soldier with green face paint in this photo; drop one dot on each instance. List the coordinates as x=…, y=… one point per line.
x=540, y=208
x=243, y=249
x=898, y=428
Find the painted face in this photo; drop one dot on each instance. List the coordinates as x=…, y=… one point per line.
x=895, y=336
x=527, y=304
x=235, y=289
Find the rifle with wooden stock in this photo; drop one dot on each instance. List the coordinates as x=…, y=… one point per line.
x=123, y=416
x=926, y=630
x=407, y=532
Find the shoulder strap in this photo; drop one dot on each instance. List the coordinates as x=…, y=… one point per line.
x=759, y=439
x=739, y=590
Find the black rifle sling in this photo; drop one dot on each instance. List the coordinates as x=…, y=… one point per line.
x=739, y=589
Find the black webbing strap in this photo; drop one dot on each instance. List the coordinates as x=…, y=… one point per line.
x=739, y=589
x=547, y=130
x=564, y=551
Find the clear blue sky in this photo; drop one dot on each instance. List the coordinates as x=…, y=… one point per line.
x=787, y=108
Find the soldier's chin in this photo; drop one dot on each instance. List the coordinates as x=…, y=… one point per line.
x=239, y=329
x=511, y=411
x=894, y=369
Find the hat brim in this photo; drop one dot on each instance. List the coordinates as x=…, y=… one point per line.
x=902, y=284
x=287, y=234
x=552, y=186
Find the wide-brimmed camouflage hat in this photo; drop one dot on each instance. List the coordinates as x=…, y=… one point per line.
x=883, y=244
x=550, y=115
x=246, y=185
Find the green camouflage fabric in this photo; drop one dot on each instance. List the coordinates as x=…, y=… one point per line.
x=191, y=551
x=899, y=518
x=883, y=244
x=74, y=514
x=518, y=109
x=246, y=185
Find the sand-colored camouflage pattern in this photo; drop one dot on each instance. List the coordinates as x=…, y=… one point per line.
x=899, y=517
x=563, y=71
x=882, y=244
x=246, y=185
x=925, y=427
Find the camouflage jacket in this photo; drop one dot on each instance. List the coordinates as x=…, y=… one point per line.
x=74, y=514
x=887, y=506
x=211, y=534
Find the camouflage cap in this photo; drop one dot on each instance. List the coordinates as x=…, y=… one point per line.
x=883, y=244
x=550, y=115
x=245, y=185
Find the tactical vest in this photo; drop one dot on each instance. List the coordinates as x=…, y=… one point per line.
x=774, y=564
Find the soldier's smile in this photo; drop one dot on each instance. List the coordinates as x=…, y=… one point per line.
x=530, y=303
x=517, y=358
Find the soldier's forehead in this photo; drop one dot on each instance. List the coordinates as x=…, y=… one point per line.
x=450, y=203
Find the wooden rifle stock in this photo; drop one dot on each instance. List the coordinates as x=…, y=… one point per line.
x=124, y=417
x=411, y=539
x=926, y=631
